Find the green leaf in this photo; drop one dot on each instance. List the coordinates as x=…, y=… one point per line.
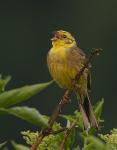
x=71, y=139
x=30, y=115
x=2, y=144
x=98, y=144
x=3, y=83
x=77, y=148
x=110, y=147
x=98, y=108
x=89, y=147
x=19, y=146
x=18, y=95
x=80, y=120
x=70, y=118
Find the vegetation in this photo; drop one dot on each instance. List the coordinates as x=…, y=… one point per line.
x=72, y=136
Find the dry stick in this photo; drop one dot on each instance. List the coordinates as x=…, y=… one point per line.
x=65, y=100
x=66, y=134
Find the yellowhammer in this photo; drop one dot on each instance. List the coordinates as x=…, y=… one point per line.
x=65, y=60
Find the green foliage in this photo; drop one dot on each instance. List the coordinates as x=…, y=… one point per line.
x=50, y=142
x=2, y=144
x=15, y=96
x=19, y=146
x=90, y=139
x=18, y=95
x=110, y=138
x=98, y=109
x=3, y=83
x=77, y=115
x=30, y=115
x=95, y=143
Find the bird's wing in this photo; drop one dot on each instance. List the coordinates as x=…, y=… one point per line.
x=76, y=58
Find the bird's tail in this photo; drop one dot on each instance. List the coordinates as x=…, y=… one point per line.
x=87, y=113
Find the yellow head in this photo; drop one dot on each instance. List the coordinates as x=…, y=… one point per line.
x=63, y=38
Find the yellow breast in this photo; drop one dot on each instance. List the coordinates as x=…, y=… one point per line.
x=61, y=72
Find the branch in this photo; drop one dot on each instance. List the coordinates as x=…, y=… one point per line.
x=38, y=140
x=67, y=132
x=64, y=101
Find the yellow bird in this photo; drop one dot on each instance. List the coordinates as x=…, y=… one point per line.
x=65, y=59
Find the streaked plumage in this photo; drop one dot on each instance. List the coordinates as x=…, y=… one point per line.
x=65, y=60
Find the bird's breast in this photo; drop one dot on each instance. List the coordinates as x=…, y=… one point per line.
x=59, y=69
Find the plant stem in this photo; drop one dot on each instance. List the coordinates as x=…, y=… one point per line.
x=67, y=132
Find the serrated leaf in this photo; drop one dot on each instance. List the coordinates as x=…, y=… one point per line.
x=2, y=144
x=19, y=95
x=98, y=108
x=19, y=146
x=30, y=115
x=3, y=82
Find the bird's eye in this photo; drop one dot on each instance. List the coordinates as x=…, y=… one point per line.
x=64, y=36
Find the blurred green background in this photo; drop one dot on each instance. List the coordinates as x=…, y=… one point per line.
x=25, y=32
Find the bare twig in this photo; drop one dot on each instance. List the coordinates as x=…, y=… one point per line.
x=38, y=140
x=66, y=134
x=65, y=100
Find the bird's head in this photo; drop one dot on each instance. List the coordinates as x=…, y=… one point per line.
x=63, y=38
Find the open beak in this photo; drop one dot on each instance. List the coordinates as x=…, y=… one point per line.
x=56, y=36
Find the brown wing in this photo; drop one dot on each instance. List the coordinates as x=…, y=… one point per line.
x=77, y=60
x=76, y=57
